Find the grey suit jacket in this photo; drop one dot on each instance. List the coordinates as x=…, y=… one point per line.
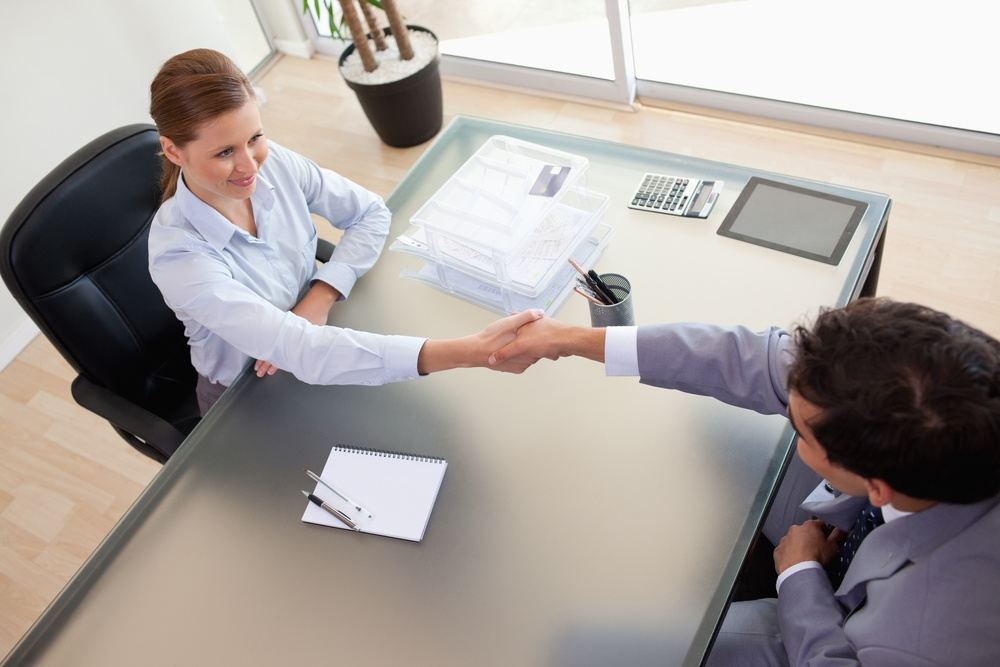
x=922, y=590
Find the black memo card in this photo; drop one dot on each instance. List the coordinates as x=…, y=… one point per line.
x=793, y=219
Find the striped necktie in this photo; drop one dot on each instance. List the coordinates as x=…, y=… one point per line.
x=869, y=519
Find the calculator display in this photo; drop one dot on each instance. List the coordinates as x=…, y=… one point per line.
x=704, y=193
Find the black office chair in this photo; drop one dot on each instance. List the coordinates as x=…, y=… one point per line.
x=73, y=253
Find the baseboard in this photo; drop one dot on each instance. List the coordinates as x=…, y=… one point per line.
x=15, y=343
x=299, y=49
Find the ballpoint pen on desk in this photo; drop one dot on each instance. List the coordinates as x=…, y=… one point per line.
x=316, y=500
x=317, y=478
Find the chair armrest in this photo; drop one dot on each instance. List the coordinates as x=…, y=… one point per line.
x=324, y=250
x=150, y=434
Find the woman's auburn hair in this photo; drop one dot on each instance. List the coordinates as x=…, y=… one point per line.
x=190, y=90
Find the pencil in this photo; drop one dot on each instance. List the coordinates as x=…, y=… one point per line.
x=580, y=269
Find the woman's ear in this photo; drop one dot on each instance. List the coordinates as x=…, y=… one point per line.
x=879, y=492
x=171, y=151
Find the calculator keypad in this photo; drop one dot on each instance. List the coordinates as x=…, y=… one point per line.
x=663, y=194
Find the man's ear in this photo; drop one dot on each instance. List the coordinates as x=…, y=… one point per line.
x=171, y=151
x=879, y=492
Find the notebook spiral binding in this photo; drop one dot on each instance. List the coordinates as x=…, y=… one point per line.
x=387, y=454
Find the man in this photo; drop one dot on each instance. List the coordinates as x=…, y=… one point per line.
x=895, y=405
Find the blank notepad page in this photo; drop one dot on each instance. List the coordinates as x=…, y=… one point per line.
x=397, y=489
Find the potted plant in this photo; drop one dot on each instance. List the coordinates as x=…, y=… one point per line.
x=398, y=88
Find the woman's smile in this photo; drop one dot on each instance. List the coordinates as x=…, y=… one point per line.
x=243, y=182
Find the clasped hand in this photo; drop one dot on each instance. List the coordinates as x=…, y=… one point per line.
x=811, y=541
x=510, y=345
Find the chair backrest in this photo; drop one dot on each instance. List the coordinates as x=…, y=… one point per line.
x=73, y=253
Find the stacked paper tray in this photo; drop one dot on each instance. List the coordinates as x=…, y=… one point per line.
x=510, y=217
x=495, y=297
x=540, y=256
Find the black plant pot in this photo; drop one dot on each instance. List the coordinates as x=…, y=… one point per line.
x=406, y=112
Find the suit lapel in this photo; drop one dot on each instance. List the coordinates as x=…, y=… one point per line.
x=909, y=539
x=883, y=553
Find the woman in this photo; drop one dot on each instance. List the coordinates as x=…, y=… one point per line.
x=232, y=246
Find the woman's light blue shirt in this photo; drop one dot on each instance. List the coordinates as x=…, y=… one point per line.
x=233, y=292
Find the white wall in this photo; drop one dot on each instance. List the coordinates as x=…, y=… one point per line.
x=70, y=71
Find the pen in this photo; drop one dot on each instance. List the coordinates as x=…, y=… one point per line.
x=316, y=500
x=585, y=286
x=592, y=284
x=322, y=481
x=602, y=287
x=588, y=297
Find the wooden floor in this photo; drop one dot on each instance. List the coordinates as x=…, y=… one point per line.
x=66, y=478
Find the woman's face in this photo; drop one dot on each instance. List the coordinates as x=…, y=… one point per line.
x=220, y=166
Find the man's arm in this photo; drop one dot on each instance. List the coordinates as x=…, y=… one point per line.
x=810, y=618
x=812, y=622
x=732, y=364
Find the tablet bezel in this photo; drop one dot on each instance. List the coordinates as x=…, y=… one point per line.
x=847, y=233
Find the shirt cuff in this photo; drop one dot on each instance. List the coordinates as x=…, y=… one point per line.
x=339, y=276
x=798, y=567
x=621, y=354
x=401, y=354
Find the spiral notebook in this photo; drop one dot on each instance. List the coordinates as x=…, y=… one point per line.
x=398, y=491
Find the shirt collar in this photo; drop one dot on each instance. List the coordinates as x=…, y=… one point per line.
x=890, y=513
x=211, y=224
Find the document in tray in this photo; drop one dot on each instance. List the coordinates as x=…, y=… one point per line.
x=546, y=246
x=385, y=493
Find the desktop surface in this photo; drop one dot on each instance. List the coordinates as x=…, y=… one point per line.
x=583, y=520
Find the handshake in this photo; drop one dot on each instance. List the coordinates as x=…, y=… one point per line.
x=512, y=344
x=518, y=341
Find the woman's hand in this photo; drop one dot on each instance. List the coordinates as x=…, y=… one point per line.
x=475, y=350
x=548, y=338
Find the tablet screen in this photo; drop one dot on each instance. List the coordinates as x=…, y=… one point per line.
x=794, y=220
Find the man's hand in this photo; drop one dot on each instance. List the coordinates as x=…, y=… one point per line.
x=808, y=542
x=504, y=332
x=475, y=350
x=548, y=338
x=315, y=308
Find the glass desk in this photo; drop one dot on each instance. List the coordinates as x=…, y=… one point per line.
x=583, y=520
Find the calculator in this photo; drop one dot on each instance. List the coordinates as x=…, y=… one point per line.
x=676, y=195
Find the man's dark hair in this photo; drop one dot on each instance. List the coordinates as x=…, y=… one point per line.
x=908, y=395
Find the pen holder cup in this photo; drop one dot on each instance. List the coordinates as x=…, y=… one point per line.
x=619, y=314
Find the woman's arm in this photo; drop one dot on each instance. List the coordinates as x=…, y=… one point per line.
x=475, y=350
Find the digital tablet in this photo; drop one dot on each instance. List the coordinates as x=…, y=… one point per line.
x=793, y=219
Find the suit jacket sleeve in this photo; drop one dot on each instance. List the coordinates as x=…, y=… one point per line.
x=812, y=622
x=732, y=364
